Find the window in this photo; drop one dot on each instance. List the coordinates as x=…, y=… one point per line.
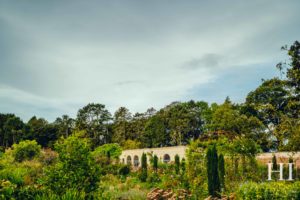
x=136, y=161
x=128, y=160
x=166, y=158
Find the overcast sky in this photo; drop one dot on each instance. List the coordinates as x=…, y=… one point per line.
x=57, y=56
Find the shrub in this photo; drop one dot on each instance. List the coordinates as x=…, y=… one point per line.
x=6, y=189
x=26, y=150
x=48, y=157
x=124, y=170
x=114, y=150
x=68, y=195
x=269, y=190
x=75, y=168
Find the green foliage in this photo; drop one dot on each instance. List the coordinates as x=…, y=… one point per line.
x=155, y=132
x=177, y=164
x=113, y=188
x=114, y=150
x=40, y=130
x=269, y=190
x=6, y=189
x=121, y=127
x=155, y=163
x=26, y=150
x=65, y=125
x=124, y=170
x=221, y=169
x=93, y=118
x=212, y=172
x=131, y=144
x=68, y=195
x=182, y=165
x=75, y=168
x=144, y=173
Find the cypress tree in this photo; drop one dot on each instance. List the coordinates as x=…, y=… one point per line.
x=274, y=161
x=155, y=163
x=212, y=172
x=183, y=165
x=144, y=173
x=177, y=164
x=221, y=167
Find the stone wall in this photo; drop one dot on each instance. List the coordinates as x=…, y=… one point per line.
x=281, y=157
x=167, y=154
x=164, y=154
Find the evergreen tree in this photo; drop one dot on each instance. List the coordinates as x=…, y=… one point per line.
x=212, y=172
x=144, y=173
x=155, y=163
x=177, y=164
x=183, y=165
x=221, y=166
x=274, y=161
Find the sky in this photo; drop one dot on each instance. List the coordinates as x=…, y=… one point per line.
x=57, y=56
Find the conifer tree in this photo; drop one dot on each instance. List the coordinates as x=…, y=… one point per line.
x=155, y=163
x=212, y=172
x=177, y=164
x=221, y=166
x=274, y=161
x=144, y=173
x=183, y=165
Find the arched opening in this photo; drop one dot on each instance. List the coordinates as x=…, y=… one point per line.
x=128, y=160
x=136, y=161
x=167, y=158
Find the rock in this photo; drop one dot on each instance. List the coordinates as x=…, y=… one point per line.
x=159, y=194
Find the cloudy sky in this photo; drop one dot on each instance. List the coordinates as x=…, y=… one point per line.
x=57, y=56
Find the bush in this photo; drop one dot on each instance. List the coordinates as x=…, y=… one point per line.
x=269, y=190
x=124, y=170
x=114, y=150
x=6, y=189
x=26, y=150
x=75, y=168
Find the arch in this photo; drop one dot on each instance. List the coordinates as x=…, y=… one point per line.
x=128, y=160
x=167, y=158
x=136, y=161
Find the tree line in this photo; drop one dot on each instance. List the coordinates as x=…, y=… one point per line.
x=269, y=116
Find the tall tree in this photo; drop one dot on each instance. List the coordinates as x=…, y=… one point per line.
x=94, y=118
x=177, y=164
x=13, y=130
x=65, y=125
x=41, y=131
x=121, y=129
x=212, y=171
x=269, y=101
x=155, y=134
x=221, y=169
x=144, y=173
